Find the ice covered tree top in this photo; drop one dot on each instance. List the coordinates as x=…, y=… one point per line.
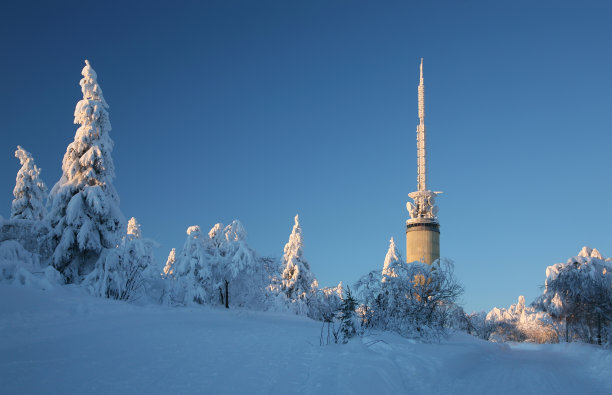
x=235, y=231
x=88, y=159
x=194, y=232
x=133, y=228
x=168, y=270
x=293, y=249
x=29, y=189
x=89, y=85
x=589, y=262
x=587, y=252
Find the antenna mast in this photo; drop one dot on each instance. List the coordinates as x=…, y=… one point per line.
x=421, y=142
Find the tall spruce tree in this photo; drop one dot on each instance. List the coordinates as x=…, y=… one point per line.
x=29, y=189
x=85, y=214
x=347, y=316
x=296, y=276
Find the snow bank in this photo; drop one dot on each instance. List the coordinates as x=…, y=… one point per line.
x=65, y=341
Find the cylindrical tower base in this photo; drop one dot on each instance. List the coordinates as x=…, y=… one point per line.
x=422, y=241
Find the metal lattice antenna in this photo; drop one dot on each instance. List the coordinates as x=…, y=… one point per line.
x=424, y=206
x=421, y=142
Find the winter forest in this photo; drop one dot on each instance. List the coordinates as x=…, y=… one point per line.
x=75, y=234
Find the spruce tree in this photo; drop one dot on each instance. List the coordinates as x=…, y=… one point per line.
x=85, y=214
x=348, y=317
x=296, y=276
x=392, y=259
x=29, y=189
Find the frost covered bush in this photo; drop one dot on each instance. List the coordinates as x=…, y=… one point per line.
x=520, y=323
x=125, y=269
x=30, y=190
x=21, y=267
x=13, y=257
x=31, y=234
x=477, y=325
x=84, y=214
x=578, y=294
x=412, y=299
x=321, y=304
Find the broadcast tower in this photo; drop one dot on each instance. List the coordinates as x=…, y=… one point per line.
x=423, y=228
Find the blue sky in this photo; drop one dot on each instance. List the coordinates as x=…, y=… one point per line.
x=259, y=110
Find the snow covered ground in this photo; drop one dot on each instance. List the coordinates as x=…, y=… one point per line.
x=63, y=341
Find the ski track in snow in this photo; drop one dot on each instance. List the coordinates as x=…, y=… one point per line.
x=64, y=341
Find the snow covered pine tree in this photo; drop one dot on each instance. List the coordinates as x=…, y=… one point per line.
x=85, y=214
x=296, y=276
x=29, y=190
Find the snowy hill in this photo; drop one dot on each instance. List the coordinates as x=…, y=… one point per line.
x=64, y=341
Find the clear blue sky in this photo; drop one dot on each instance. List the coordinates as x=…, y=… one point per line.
x=259, y=110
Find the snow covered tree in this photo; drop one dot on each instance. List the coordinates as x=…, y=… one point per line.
x=413, y=299
x=296, y=276
x=85, y=214
x=368, y=290
x=579, y=293
x=240, y=272
x=391, y=260
x=192, y=270
x=521, y=323
x=320, y=303
x=168, y=269
x=29, y=189
x=126, y=268
x=220, y=269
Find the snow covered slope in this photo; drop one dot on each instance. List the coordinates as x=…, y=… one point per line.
x=64, y=341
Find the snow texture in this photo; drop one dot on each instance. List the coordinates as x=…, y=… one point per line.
x=62, y=341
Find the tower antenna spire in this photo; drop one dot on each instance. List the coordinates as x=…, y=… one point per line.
x=421, y=138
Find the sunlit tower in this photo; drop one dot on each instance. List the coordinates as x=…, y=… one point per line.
x=422, y=229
